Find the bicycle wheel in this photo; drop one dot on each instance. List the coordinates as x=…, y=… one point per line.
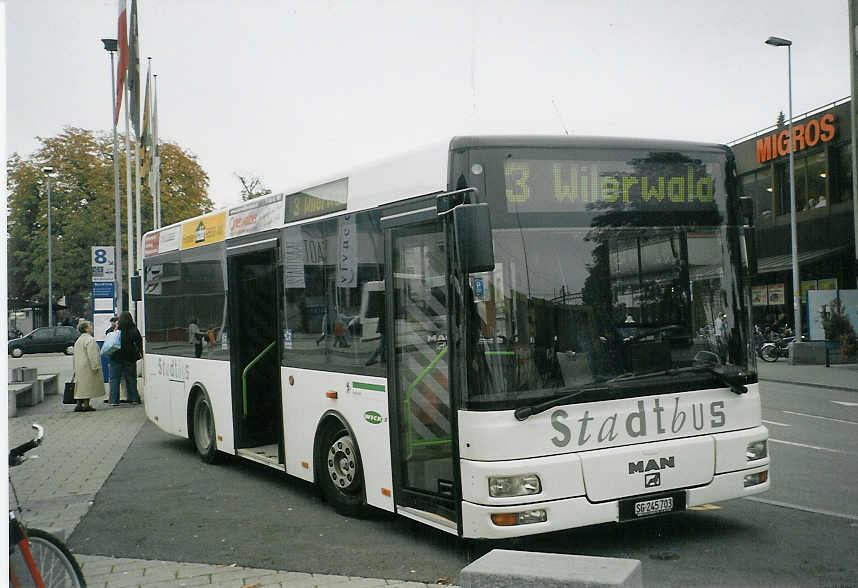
x=54, y=561
x=769, y=353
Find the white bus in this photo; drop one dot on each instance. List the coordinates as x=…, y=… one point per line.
x=496, y=336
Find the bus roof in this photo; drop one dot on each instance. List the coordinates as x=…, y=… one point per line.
x=415, y=173
x=573, y=141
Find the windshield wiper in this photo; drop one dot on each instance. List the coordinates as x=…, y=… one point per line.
x=522, y=413
x=734, y=379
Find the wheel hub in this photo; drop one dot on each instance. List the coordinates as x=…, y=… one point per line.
x=341, y=462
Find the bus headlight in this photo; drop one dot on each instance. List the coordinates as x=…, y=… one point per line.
x=756, y=450
x=523, y=485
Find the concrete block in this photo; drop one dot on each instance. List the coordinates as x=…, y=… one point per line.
x=50, y=384
x=19, y=393
x=28, y=374
x=503, y=568
x=807, y=353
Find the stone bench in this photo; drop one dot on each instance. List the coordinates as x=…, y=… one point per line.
x=29, y=395
x=50, y=384
x=504, y=568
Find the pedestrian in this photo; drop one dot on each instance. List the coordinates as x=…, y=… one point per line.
x=123, y=391
x=123, y=362
x=89, y=379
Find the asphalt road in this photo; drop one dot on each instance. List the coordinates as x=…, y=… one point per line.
x=162, y=502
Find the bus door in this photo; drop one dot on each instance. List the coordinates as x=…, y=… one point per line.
x=255, y=350
x=421, y=403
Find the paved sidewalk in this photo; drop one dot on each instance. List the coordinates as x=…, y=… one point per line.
x=838, y=376
x=78, y=454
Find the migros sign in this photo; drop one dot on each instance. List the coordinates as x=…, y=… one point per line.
x=804, y=135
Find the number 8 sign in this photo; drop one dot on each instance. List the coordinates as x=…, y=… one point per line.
x=102, y=264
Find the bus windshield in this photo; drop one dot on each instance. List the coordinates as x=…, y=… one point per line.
x=621, y=307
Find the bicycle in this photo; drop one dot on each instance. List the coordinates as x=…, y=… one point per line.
x=37, y=558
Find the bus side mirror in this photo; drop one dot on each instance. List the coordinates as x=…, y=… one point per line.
x=473, y=231
x=749, y=241
x=747, y=210
x=136, y=288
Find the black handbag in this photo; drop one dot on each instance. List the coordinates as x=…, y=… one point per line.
x=68, y=393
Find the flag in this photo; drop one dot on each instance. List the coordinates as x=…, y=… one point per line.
x=122, y=66
x=134, y=70
x=145, y=144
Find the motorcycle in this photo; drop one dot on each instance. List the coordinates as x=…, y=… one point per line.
x=779, y=347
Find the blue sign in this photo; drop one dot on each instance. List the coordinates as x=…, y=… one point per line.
x=479, y=289
x=102, y=290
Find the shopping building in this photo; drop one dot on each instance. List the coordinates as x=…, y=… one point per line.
x=824, y=208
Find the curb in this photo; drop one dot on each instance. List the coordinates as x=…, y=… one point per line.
x=825, y=386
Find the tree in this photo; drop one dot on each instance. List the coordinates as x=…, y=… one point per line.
x=781, y=122
x=82, y=210
x=252, y=187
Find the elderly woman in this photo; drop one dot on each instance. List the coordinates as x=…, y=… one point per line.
x=89, y=380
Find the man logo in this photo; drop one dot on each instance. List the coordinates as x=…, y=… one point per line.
x=639, y=467
x=652, y=480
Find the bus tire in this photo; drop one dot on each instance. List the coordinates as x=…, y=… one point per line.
x=339, y=471
x=203, y=430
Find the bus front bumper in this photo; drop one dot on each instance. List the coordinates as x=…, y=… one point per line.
x=578, y=511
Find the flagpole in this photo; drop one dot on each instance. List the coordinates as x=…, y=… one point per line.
x=130, y=208
x=117, y=201
x=156, y=195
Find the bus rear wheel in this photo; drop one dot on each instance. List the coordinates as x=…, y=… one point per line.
x=339, y=470
x=204, y=429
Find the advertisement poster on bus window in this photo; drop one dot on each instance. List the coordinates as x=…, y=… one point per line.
x=205, y=230
x=259, y=214
x=168, y=239
x=776, y=294
x=827, y=284
x=759, y=296
x=805, y=286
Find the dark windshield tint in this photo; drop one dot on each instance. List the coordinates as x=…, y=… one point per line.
x=610, y=264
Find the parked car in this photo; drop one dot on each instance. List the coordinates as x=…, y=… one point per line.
x=45, y=340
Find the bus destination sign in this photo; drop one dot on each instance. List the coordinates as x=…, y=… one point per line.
x=547, y=186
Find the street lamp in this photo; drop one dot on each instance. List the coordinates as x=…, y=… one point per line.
x=796, y=293
x=49, y=171
x=110, y=46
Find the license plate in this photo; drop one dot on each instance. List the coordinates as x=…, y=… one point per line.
x=648, y=507
x=635, y=508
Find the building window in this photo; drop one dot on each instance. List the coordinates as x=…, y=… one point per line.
x=817, y=174
x=841, y=173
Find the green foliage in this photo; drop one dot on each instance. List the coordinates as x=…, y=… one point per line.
x=838, y=329
x=82, y=209
x=781, y=122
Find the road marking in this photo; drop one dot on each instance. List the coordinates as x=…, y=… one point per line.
x=816, y=416
x=778, y=424
x=839, y=515
x=817, y=447
x=845, y=403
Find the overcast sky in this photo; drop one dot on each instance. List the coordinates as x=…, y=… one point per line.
x=293, y=91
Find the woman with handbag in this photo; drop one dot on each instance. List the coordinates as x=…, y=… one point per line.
x=89, y=380
x=123, y=361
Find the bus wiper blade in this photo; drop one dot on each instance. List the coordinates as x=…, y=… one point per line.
x=732, y=378
x=522, y=413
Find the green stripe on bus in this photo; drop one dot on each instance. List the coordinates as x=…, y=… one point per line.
x=499, y=352
x=365, y=386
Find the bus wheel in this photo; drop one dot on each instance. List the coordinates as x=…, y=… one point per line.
x=339, y=470
x=204, y=429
